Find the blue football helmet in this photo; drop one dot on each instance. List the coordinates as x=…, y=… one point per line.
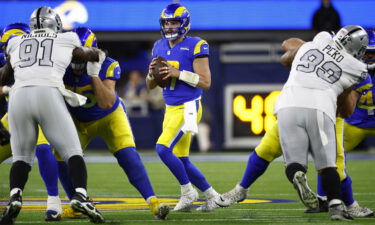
x=86, y=36
x=369, y=56
x=175, y=12
x=13, y=30
x=88, y=39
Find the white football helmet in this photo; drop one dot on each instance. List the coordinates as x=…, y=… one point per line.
x=353, y=39
x=45, y=17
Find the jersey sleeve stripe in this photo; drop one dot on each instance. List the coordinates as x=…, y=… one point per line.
x=90, y=39
x=197, y=48
x=363, y=88
x=111, y=69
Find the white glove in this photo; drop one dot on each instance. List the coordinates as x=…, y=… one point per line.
x=6, y=90
x=93, y=68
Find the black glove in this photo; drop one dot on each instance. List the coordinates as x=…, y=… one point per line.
x=4, y=135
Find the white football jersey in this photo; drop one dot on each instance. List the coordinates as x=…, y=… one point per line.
x=40, y=58
x=320, y=72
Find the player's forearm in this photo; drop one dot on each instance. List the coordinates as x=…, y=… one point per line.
x=204, y=82
x=346, y=103
x=86, y=54
x=105, y=97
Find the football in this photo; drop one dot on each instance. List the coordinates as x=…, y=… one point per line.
x=157, y=76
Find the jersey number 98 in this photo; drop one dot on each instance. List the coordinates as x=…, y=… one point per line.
x=328, y=71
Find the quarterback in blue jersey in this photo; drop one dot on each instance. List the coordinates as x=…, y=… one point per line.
x=104, y=115
x=46, y=160
x=188, y=67
x=269, y=149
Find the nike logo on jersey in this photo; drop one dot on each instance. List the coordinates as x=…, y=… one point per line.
x=334, y=53
x=184, y=48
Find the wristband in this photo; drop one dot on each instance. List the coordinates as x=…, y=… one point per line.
x=189, y=77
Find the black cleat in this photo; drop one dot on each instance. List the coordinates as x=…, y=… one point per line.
x=323, y=206
x=12, y=210
x=82, y=204
x=52, y=215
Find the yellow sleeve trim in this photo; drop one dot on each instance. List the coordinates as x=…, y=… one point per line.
x=90, y=39
x=363, y=87
x=111, y=69
x=197, y=48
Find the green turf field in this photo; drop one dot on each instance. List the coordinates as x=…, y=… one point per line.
x=108, y=180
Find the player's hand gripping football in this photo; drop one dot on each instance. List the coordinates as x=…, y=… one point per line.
x=169, y=71
x=151, y=67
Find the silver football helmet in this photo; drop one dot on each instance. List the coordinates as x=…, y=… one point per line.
x=45, y=17
x=353, y=39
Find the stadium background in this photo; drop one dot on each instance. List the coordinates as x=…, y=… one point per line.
x=244, y=38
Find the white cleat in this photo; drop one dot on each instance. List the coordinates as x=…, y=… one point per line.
x=307, y=196
x=355, y=210
x=237, y=194
x=337, y=210
x=186, y=201
x=210, y=204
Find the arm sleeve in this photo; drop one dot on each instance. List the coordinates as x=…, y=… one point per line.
x=201, y=49
x=74, y=39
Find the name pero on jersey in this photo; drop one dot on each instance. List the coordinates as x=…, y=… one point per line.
x=320, y=72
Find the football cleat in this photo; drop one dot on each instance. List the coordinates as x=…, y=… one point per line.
x=12, y=210
x=210, y=204
x=69, y=212
x=307, y=196
x=186, y=201
x=52, y=215
x=237, y=194
x=323, y=206
x=159, y=210
x=337, y=210
x=82, y=204
x=355, y=210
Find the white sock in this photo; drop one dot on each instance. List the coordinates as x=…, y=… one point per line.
x=210, y=193
x=186, y=187
x=15, y=191
x=54, y=203
x=334, y=202
x=82, y=191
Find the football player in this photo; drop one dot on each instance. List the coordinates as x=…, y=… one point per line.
x=270, y=149
x=46, y=160
x=38, y=61
x=188, y=67
x=104, y=115
x=360, y=125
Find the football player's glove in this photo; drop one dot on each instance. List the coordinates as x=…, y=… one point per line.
x=4, y=135
x=88, y=39
x=175, y=12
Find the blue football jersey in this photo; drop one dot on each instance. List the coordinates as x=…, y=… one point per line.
x=181, y=56
x=82, y=84
x=364, y=113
